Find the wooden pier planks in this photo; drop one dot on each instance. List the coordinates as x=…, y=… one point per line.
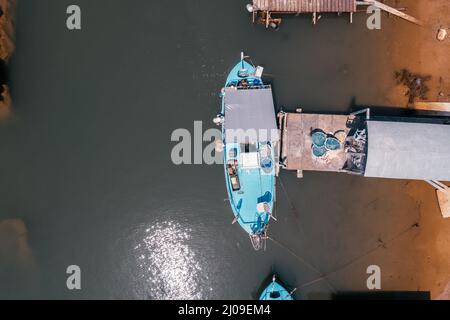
x=305, y=6
x=296, y=141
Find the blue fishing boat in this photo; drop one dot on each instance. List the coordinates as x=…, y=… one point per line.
x=249, y=143
x=275, y=291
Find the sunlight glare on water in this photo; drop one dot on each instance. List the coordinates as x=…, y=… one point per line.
x=168, y=267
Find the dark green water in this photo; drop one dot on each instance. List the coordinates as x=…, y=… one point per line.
x=85, y=161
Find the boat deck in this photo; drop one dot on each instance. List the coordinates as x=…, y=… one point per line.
x=296, y=151
x=256, y=187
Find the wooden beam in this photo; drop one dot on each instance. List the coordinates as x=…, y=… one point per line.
x=433, y=106
x=391, y=10
x=444, y=203
x=443, y=196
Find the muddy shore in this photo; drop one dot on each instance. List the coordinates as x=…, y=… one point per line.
x=417, y=49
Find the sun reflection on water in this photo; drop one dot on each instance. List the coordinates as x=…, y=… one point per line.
x=169, y=268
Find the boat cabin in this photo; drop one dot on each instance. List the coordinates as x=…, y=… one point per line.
x=249, y=116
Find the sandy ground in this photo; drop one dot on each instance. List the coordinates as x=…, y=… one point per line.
x=422, y=53
x=424, y=254
x=432, y=261
x=418, y=50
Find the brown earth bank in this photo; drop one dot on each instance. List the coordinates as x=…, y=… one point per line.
x=418, y=50
x=425, y=256
x=429, y=56
x=7, y=11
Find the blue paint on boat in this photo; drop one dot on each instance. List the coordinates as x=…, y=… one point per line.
x=251, y=188
x=275, y=291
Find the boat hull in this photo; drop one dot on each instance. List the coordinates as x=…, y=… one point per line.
x=249, y=175
x=275, y=291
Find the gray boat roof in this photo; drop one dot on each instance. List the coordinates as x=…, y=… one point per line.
x=400, y=150
x=250, y=116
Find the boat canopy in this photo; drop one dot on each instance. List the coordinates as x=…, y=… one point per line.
x=402, y=150
x=250, y=115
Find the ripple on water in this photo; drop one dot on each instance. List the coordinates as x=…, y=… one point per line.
x=168, y=267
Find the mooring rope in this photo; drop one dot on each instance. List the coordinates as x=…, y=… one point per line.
x=324, y=276
x=293, y=208
x=309, y=265
x=381, y=244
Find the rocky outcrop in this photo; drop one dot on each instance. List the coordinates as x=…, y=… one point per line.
x=7, y=12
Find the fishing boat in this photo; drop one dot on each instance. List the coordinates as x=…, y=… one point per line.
x=249, y=144
x=275, y=291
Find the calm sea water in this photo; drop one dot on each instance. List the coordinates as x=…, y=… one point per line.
x=85, y=162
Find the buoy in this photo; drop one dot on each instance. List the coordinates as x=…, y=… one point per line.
x=442, y=34
x=218, y=145
x=319, y=152
x=218, y=120
x=318, y=138
x=273, y=25
x=250, y=8
x=341, y=136
x=332, y=144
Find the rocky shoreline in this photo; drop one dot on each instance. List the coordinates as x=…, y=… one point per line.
x=7, y=47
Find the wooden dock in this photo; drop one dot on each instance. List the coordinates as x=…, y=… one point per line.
x=390, y=154
x=264, y=11
x=305, y=6
x=296, y=149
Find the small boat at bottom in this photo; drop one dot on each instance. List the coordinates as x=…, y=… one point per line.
x=249, y=144
x=275, y=291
